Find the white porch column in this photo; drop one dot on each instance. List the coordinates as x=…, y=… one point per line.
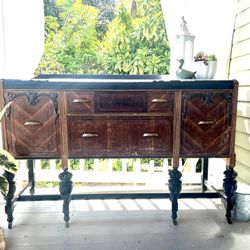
x=21, y=37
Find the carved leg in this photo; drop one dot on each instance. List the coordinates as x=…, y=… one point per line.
x=230, y=186
x=9, y=207
x=175, y=189
x=65, y=188
x=31, y=176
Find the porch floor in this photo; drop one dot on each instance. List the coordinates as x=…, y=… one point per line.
x=123, y=225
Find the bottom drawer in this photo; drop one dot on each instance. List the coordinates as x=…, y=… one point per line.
x=120, y=137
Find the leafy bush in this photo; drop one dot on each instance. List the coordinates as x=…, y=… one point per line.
x=7, y=161
x=86, y=37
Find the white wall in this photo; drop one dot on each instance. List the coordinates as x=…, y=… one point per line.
x=211, y=21
x=21, y=37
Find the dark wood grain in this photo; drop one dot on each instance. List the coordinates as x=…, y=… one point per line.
x=206, y=123
x=32, y=129
x=112, y=101
x=79, y=102
x=120, y=137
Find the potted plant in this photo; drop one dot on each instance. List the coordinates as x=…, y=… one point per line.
x=212, y=66
x=8, y=164
x=7, y=161
x=205, y=65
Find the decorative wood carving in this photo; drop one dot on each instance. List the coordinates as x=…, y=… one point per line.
x=32, y=98
x=207, y=98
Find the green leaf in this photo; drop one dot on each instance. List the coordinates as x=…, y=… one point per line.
x=4, y=110
x=8, y=162
x=4, y=185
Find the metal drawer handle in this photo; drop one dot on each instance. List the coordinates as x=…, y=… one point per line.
x=205, y=122
x=32, y=123
x=89, y=135
x=160, y=100
x=150, y=135
x=81, y=100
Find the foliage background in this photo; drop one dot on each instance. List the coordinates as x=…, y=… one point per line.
x=102, y=37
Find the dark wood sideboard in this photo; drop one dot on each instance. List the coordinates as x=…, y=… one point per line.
x=122, y=116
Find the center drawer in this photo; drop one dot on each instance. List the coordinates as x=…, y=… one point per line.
x=120, y=137
x=120, y=101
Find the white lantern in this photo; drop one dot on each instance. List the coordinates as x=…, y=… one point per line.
x=183, y=47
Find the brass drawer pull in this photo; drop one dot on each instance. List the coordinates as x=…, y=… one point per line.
x=32, y=123
x=89, y=135
x=205, y=122
x=150, y=135
x=81, y=100
x=159, y=100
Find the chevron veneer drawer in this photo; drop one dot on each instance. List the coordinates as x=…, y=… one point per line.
x=32, y=124
x=206, y=123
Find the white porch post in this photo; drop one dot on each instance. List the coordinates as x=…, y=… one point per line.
x=21, y=37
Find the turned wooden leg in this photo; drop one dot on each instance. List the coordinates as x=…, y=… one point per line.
x=230, y=186
x=175, y=188
x=65, y=188
x=9, y=207
x=31, y=176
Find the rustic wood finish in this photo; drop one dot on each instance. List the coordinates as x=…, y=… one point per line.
x=32, y=125
x=206, y=123
x=123, y=119
x=120, y=136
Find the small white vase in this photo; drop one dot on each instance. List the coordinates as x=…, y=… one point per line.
x=201, y=70
x=212, y=66
x=205, y=71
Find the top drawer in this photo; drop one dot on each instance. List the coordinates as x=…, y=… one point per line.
x=80, y=102
x=87, y=102
x=160, y=101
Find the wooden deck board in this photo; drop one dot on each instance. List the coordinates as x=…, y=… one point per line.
x=140, y=224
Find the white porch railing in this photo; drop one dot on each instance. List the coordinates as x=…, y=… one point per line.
x=103, y=172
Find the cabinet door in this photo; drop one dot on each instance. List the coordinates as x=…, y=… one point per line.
x=206, y=123
x=32, y=124
x=120, y=137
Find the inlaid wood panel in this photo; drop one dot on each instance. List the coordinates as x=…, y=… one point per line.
x=206, y=121
x=32, y=124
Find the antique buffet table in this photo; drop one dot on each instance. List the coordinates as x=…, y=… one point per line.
x=63, y=116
